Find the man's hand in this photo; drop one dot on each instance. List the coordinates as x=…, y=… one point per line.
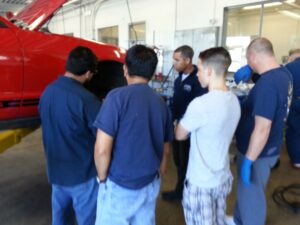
x=243, y=74
x=245, y=172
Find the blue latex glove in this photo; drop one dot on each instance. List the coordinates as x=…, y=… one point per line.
x=243, y=74
x=245, y=172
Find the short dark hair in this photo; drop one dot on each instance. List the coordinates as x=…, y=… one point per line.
x=81, y=60
x=218, y=58
x=186, y=51
x=141, y=61
x=294, y=51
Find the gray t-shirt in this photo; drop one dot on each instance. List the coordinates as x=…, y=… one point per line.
x=211, y=119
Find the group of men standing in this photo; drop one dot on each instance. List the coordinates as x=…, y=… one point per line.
x=129, y=137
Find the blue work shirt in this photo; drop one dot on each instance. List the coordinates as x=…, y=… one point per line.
x=268, y=99
x=140, y=123
x=294, y=68
x=67, y=112
x=184, y=92
x=294, y=113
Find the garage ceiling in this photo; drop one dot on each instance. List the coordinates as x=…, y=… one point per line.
x=16, y=5
x=12, y=5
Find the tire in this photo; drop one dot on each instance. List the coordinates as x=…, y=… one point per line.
x=109, y=76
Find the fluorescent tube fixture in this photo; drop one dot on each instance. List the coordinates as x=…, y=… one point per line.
x=290, y=14
x=251, y=7
x=290, y=1
x=259, y=6
x=70, y=2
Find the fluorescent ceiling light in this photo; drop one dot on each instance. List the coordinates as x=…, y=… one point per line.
x=70, y=2
x=290, y=1
x=259, y=6
x=272, y=4
x=252, y=7
x=290, y=14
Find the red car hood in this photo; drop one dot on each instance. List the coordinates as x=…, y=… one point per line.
x=38, y=12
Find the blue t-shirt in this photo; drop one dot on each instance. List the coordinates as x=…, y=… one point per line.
x=293, y=120
x=184, y=92
x=67, y=112
x=294, y=68
x=140, y=123
x=268, y=99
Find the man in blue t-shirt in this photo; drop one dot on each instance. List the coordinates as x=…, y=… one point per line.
x=259, y=133
x=293, y=121
x=134, y=131
x=67, y=112
x=186, y=88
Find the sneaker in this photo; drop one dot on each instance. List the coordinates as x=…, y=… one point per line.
x=296, y=166
x=171, y=196
x=229, y=220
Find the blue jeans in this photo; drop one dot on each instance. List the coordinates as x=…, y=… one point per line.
x=80, y=199
x=121, y=206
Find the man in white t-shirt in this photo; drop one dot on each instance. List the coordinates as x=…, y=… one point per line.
x=211, y=120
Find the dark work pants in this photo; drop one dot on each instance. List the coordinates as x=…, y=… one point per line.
x=181, y=151
x=292, y=139
x=251, y=206
x=293, y=132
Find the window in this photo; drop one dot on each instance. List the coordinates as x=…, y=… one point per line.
x=278, y=21
x=109, y=35
x=137, y=33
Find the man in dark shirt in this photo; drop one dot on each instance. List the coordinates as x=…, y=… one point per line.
x=293, y=121
x=186, y=88
x=259, y=133
x=67, y=112
x=134, y=131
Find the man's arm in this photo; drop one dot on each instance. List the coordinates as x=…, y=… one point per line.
x=258, y=140
x=259, y=137
x=164, y=162
x=102, y=153
x=181, y=133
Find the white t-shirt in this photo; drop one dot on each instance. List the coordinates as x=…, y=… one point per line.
x=184, y=76
x=212, y=120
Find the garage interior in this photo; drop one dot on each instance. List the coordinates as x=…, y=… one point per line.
x=25, y=194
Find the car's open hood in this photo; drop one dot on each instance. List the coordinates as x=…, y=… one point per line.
x=38, y=12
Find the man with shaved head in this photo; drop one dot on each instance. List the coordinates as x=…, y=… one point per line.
x=259, y=133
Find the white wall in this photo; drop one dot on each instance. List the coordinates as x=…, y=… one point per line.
x=162, y=17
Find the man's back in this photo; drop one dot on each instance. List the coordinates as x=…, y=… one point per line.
x=267, y=99
x=139, y=122
x=67, y=112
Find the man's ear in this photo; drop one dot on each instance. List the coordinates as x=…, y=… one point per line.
x=210, y=71
x=253, y=58
x=88, y=74
x=125, y=69
x=188, y=60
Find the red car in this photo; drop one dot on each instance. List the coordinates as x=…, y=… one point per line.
x=30, y=59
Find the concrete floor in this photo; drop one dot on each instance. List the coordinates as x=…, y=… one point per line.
x=25, y=193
